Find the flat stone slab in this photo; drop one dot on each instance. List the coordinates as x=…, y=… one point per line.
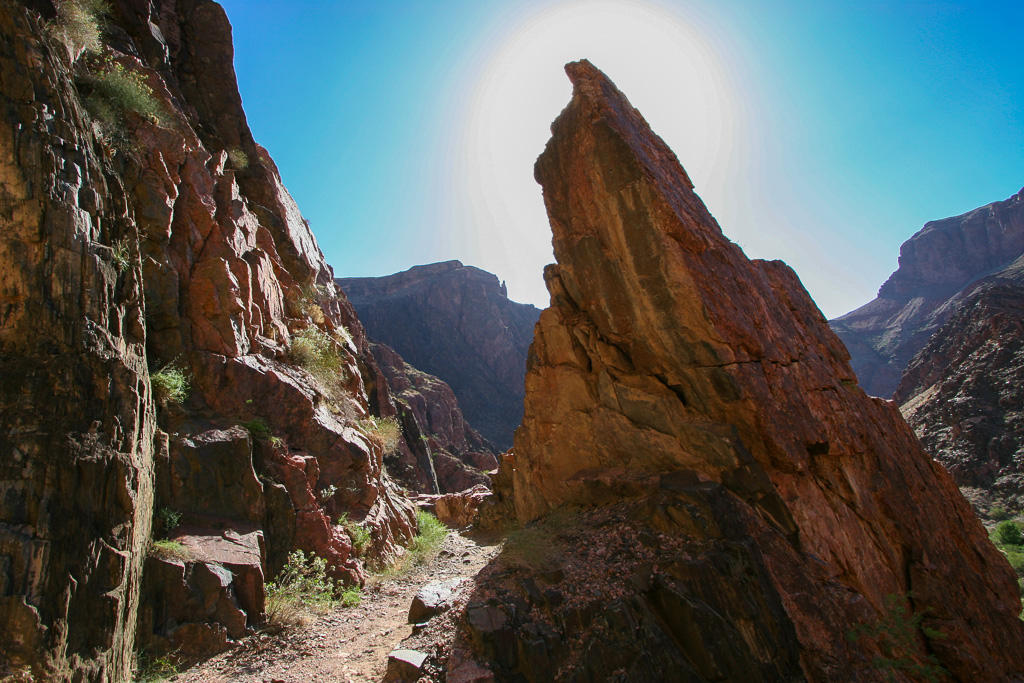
x=404, y=665
x=434, y=598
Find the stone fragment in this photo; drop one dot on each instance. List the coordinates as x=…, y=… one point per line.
x=432, y=599
x=404, y=665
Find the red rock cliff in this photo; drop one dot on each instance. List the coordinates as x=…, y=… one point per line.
x=133, y=240
x=665, y=350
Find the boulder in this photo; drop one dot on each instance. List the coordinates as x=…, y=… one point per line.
x=432, y=599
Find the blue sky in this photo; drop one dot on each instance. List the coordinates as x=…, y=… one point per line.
x=824, y=133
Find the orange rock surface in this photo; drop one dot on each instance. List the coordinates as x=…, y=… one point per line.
x=666, y=349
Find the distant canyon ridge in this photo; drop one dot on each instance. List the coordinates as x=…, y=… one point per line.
x=456, y=322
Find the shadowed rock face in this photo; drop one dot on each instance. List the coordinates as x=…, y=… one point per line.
x=117, y=259
x=455, y=322
x=964, y=393
x=707, y=392
x=941, y=267
x=441, y=452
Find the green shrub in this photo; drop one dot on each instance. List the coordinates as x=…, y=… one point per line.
x=351, y=596
x=895, y=634
x=359, y=534
x=238, y=158
x=170, y=384
x=301, y=587
x=79, y=24
x=385, y=430
x=315, y=351
x=169, y=518
x=113, y=91
x=999, y=513
x=1008, y=533
x=422, y=549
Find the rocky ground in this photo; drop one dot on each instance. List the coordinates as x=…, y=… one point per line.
x=353, y=644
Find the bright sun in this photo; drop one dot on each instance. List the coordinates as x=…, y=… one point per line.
x=664, y=65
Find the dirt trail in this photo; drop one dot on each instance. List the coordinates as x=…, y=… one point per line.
x=346, y=644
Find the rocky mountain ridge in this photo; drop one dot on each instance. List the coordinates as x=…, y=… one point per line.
x=455, y=322
x=699, y=402
x=940, y=267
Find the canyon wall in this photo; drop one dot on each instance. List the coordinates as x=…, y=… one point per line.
x=698, y=401
x=455, y=322
x=940, y=267
x=171, y=341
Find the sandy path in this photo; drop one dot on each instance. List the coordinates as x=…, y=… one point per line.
x=347, y=644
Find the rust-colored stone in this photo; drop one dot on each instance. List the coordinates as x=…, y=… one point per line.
x=666, y=350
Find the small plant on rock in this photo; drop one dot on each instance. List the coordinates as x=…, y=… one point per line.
x=169, y=519
x=170, y=550
x=300, y=588
x=238, y=158
x=121, y=255
x=79, y=23
x=895, y=634
x=359, y=534
x=385, y=430
x=315, y=351
x=170, y=384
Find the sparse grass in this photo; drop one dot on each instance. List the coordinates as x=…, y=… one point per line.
x=112, y=92
x=302, y=588
x=156, y=668
x=314, y=350
x=121, y=255
x=170, y=550
x=305, y=303
x=359, y=534
x=385, y=430
x=170, y=384
x=79, y=24
x=351, y=596
x=896, y=634
x=239, y=159
x=999, y=513
x=260, y=431
x=424, y=546
x=535, y=545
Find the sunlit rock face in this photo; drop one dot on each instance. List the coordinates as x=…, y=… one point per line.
x=706, y=388
x=964, y=395
x=161, y=240
x=941, y=267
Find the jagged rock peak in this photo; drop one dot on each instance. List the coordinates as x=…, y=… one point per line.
x=671, y=369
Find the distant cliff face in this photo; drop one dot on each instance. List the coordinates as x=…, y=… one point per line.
x=441, y=453
x=175, y=359
x=697, y=403
x=964, y=394
x=940, y=267
x=455, y=322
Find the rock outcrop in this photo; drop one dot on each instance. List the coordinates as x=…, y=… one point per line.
x=440, y=452
x=699, y=401
x=964, y=395
x=941, y=267
x=455, y=322
x=171, y=339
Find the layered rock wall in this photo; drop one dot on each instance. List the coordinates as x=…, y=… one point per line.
x=671, y=369
x=134, y=242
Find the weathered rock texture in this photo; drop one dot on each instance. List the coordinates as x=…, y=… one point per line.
x=941, y=267
x=126, y=246
x=439, y=451
x=455, y=322
x=708, y=392
x=964, y=394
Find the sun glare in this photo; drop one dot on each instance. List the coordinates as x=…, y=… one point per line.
x=656, y=56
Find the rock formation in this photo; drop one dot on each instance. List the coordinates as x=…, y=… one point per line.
x=147, y=244
x=455, y=322
x=440, y=453
x=964, y=395
x=745, y=506
x=940, y=268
